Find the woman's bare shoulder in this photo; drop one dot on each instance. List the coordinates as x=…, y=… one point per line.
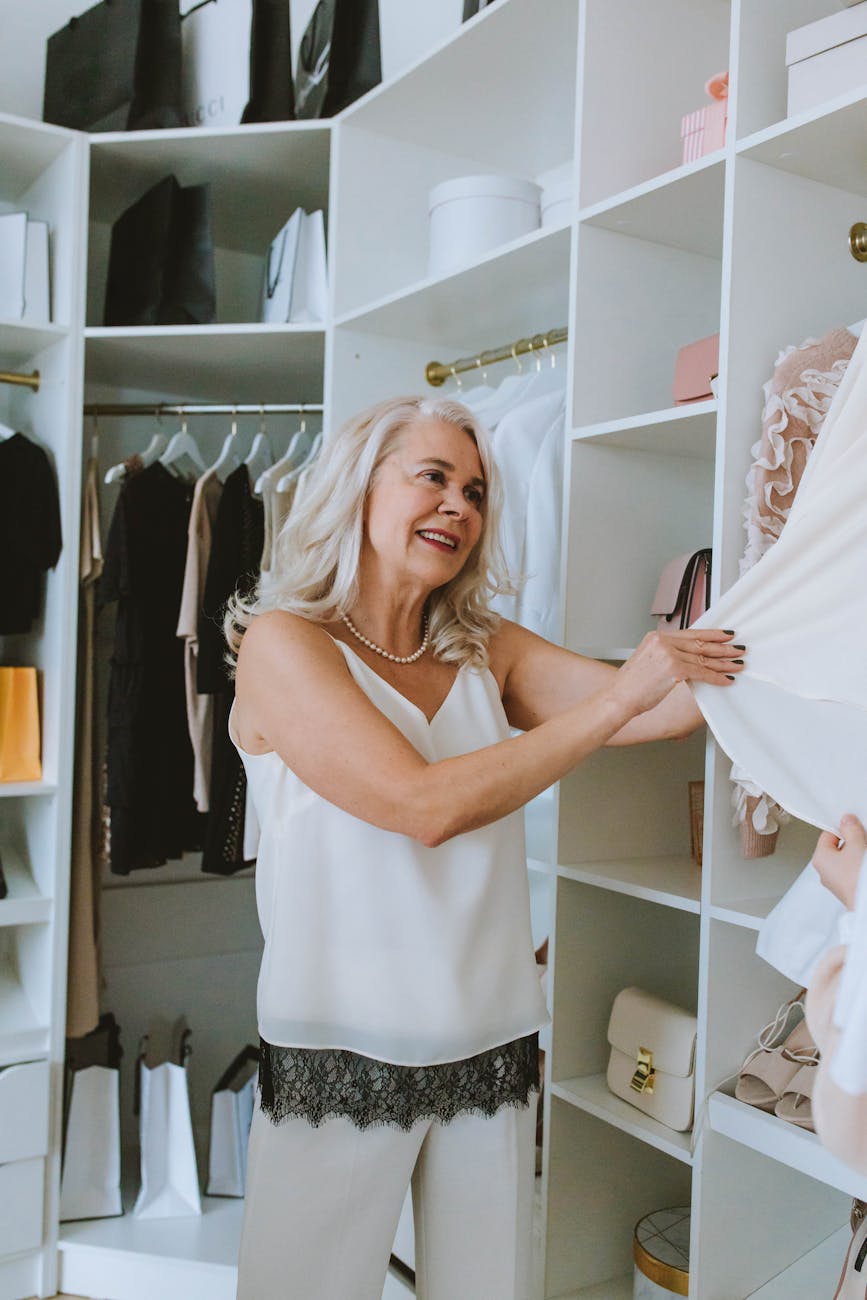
x=282, y=642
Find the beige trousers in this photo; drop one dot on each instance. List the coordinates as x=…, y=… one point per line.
x=322, y=1208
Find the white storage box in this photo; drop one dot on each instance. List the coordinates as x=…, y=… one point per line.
x=827, y=58
x=557, y=203
x=471, y=215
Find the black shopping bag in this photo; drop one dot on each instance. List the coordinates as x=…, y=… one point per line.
x=161, y=263
x=272, y=93
x=472, y=7
x=339, y=58
x=116, y=67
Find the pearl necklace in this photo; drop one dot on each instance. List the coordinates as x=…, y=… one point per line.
x=395, y=659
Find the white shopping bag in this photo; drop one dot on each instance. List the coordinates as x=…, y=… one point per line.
x=13, y=246
x=232, y=1103
x=90, y=1181
x=169, y=1174
x=310, y=281
x=37, y=297
x=216, y=60
x=280, y=272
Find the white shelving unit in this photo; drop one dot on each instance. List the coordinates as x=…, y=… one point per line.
x=43, y=170
x=750, y=241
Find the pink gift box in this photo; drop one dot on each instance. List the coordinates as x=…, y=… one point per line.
x=704, y=130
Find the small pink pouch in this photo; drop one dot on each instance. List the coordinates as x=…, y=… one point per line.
x=697, y=364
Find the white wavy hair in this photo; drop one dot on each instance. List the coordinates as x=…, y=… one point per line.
x=316, y=573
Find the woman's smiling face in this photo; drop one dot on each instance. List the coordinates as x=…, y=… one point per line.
x=425, y=511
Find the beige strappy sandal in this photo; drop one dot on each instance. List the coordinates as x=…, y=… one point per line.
x=785, y=1046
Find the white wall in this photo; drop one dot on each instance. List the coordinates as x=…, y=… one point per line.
x=409, y=28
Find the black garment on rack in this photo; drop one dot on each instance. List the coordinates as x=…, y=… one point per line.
x=150, y=758
x=236, y=555
x=30, y=540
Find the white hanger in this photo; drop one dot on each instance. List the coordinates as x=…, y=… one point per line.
x=152, y=451
x=5, y=432
x=297, y=451
x=261, y=455
x=181, y=445
x=287, y=480
x=229, y=458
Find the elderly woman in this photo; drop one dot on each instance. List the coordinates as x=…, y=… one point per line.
x=398, y=1000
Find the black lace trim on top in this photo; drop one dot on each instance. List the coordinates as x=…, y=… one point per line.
x=319, y=1084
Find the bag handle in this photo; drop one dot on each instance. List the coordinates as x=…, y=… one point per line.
x=245, y=1056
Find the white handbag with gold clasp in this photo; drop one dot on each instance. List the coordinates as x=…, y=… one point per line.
x=652, y=1062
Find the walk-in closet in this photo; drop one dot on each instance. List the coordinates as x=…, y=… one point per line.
x=636, y=867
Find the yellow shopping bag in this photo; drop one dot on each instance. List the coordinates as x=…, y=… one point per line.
x=19, y=725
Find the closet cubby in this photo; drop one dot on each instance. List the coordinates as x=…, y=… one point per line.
x=601, y=1181
x=775, y=1216
x=258, y=176
x=642, y=68
x=605, y=942
x=25, y=992
x=762, y=92
x=495, y=98
x=630, y=803
x=637, y=303
x=632, y=511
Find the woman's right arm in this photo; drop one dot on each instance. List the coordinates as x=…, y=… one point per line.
x=294, y=690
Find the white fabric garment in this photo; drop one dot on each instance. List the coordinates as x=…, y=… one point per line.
x=796, y=719
x=849, y=1063
x=374, y=942
x=323, y=1204
x=528, y=447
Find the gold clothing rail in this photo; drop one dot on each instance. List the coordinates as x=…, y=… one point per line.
x=437, y=372
x=22, y=381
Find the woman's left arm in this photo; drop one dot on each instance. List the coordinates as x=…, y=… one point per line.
x=540, y=680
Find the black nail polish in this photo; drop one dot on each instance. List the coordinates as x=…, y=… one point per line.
x=728, y=632
x=738, y=647
x=737, y=661
x=730, y=676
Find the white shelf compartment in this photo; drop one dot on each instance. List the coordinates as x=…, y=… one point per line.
x=24, y=979
x=641, y=137
x=682, y=208
x=247, y=363
x=591, y=1094
x=812, y=1275
x=492, y=98
x=23, y=904
x=258, y=174
x=800, y=144
x=663, y=504
x=784, y=1142
x=21, y=340
x=688, y=430
x=670, y=881
x=466, y=301
x=28, y=149
x=137, y=1259
x=762, y=81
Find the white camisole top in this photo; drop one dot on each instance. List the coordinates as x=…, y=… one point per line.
x=375, y=943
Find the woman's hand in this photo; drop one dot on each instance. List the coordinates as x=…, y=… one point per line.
x=838, y=860
x=665, y=658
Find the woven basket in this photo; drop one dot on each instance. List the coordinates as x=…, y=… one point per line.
x=754, y=845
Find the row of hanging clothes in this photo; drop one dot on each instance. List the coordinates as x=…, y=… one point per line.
x=526, y=416
x=184, y=536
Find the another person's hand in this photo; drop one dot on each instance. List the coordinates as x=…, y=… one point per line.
x=665, y=658
x=838, y=859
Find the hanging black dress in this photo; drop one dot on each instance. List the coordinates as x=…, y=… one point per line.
x=150, y=758
x=234, y=562
x=29, y=531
